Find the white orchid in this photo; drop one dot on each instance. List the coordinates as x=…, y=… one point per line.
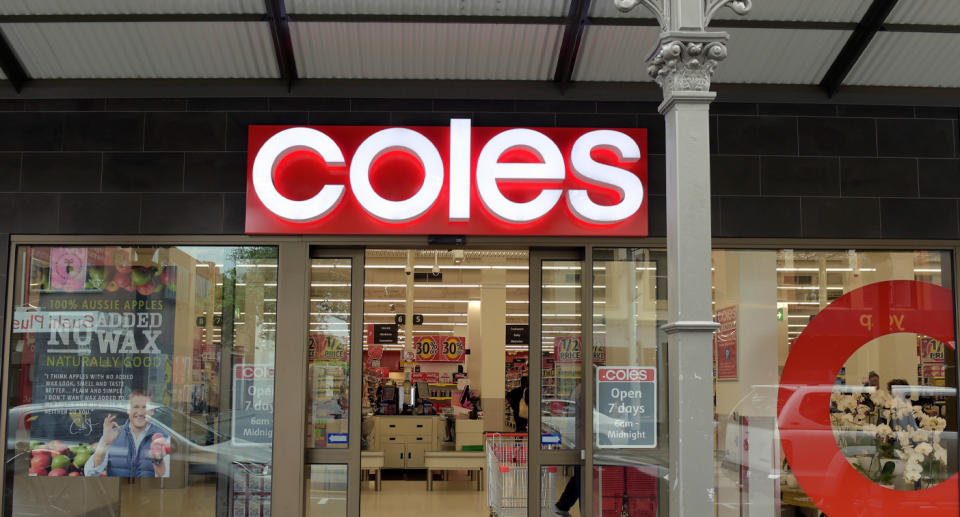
x=939, y=453
x=924, y=448
x=880, y=397
x=920, y=435
x=884, y=431
x=913, y=471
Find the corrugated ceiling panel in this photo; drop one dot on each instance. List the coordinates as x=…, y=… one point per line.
x=908, y=59
x=425, y=50
x=755, y=55
x=433, y=7
x=132, y=6
x=934, y=12
x=144, y=50
x=610, y=53
x=778, y=56
x=792, y=10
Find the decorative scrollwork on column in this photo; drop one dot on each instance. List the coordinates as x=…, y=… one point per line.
x=686, y=66
x=655, y=6
x=710, y=7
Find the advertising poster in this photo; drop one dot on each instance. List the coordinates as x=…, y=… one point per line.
x=567, y=349
x=252, y=404
x=440, y=349
x=626, y=415
x=433, y=377
x=931, y=351
x=102, y=366
x=725, y=344
x=324, y=347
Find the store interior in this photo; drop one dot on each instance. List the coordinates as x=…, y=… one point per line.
x=445, y=343
x=749, y=285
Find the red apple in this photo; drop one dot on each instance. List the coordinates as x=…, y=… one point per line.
x=40, y=461
x=169, y=276
x=146, y=289
x=74, y=474
x=122, y=279
x=57, y=473
x=58, y=447
x=112, y=286
x=38, y=471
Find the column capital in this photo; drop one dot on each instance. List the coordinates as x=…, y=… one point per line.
x=685, y=61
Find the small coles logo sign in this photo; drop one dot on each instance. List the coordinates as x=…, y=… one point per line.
x=456, y=180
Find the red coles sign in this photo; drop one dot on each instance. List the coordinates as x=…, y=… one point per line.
x=456, y=180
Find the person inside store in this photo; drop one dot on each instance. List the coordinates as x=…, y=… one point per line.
x=873, y=380
x=900, y=388
x=514, y=397
x=129, y=450
x=571, y=492
x=334, y=407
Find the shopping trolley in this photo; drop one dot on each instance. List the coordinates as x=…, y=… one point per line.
x=507, y=475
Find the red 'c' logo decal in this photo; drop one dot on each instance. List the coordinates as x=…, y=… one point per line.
x=803, y=406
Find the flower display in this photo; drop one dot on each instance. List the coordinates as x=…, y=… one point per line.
x=880, y=437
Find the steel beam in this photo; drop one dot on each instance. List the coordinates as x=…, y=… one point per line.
x=282, y=43
x=857, y=43
x=569, y=48
x=10, y=64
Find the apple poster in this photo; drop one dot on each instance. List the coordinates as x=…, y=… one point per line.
x=102, y=368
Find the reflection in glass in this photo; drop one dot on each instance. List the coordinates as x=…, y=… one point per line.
x=560, y=490
x=561, y=336
x=141, y=362
x=328, y=353
x=625, y=490
x=326, y=491
x=853, y=408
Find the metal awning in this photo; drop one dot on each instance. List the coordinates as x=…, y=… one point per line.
x=831, y=43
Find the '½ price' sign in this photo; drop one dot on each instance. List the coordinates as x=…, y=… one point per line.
x=626, y=416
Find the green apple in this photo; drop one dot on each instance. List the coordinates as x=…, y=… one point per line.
x=141, y=276
x=80, y=459
x=60, y=461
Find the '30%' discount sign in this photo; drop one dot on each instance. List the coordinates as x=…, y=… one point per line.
x=626, y=416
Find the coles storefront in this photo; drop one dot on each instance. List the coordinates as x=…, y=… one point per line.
x=421, y=318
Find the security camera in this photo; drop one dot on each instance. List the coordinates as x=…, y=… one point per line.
x=408, y=270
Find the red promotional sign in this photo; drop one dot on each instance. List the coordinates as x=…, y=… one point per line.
x=245, y=372
x=433, y=377
x=725, y=344
x=440, y=349
x=803, y=405
x=567, y=349
x=326, y=348
x=626, y=374
x=454, y=180
x=931, y=351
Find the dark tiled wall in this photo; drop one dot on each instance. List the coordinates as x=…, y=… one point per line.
x=827, y=171
x=177, y=166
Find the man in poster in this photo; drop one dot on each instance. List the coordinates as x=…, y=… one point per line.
x=135, y=449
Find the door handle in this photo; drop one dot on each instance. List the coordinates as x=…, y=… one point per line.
x=408, y=455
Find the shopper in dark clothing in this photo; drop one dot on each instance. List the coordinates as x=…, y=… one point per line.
x=514, y=396
x=570, y=494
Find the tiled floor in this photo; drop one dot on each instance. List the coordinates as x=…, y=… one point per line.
x=456, y=497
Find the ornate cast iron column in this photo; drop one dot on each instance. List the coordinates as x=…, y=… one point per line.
x=683, y=64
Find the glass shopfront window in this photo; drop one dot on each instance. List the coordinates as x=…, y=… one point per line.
x=154, y=364
x=629, y=414
x=835, y=382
